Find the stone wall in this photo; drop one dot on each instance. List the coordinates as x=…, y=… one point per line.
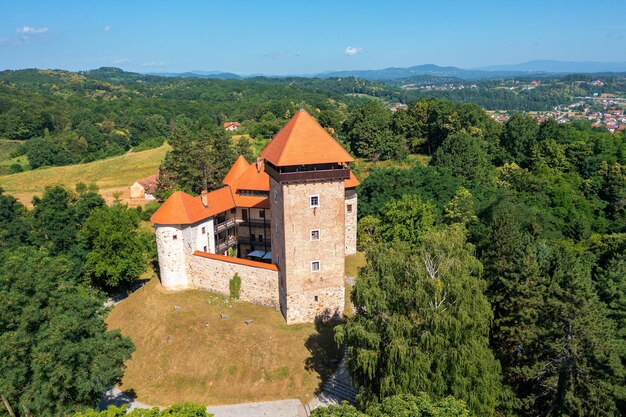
x=351, y=221
x=304, y=307
x=308, y=292
x=259, y=281
x=171, y=252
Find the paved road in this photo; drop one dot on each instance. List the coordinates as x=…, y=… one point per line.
x=284, y=408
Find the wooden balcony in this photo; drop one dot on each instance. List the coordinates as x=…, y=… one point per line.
x=307, y=174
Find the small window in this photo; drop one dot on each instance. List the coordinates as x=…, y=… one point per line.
x=205, y=249
x=174, y=237
x=253, y=237
x=275, y=196
x=262, y=214
x=276, y=229
x=315, y=266
x=349, y=208
x=260, y=238
x=244, y=214
x=204, y=231
x=316, y=298
x=315, y=234
x=314, y=201
x=278, y=260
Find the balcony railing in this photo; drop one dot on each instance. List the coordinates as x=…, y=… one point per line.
x=308, y=174
x=225, y=225
x=255, y=223
x=247, y=241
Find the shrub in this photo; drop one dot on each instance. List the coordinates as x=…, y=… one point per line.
x=234, y=285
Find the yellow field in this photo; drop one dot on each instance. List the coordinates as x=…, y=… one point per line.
x=191, y=354
x=112, y=175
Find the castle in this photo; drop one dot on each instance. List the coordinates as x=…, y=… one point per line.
x=290, y=217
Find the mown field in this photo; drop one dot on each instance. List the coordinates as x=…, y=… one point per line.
x=112, y=176
x=189, y=353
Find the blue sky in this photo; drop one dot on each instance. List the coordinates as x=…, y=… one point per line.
x=282, y=37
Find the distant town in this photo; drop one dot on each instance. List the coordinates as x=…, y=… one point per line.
x=604, y=110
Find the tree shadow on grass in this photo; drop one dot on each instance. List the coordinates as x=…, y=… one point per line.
x=325, y=354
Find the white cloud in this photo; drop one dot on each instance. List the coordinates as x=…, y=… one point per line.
x=29, y=30
x=154, y=64
x=107, y=28
x=352, y=50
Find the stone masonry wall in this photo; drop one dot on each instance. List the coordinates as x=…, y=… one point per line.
x=171, y=252
x=309, y=293
x=258, y=285
x=351, y=221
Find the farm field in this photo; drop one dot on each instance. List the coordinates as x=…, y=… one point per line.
x=112, y=175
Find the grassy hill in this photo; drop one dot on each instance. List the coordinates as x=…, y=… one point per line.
x=191, y=354
x=112, y=175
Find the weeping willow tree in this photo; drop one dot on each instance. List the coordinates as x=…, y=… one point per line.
x=422, y=323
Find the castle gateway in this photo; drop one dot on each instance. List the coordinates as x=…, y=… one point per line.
x=287, y=220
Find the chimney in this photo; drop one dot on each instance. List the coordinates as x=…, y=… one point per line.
x=204, y=198
x=259, y=161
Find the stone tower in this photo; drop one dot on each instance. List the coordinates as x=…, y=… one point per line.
x=308, y=170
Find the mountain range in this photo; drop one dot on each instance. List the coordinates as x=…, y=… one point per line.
x=537, y=67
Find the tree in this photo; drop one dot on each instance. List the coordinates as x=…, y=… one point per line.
x=406, y=219
x=54, y=219
x=177, y=410
x=55, y=353
x=244, y=148
x=406, y=405
x=461, y=208
x=368, y=130
x=422, y=323
x=463, y=156
x=519, y=136
x=117, y=249
x=558, y=351
x=14, y=225
x=199, y=158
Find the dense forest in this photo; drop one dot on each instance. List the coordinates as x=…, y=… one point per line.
x=65, y=117
x=495, y=281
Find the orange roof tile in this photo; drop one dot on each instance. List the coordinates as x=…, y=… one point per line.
x=182, y=208
x=351, y=182
x=236, y=170
x=253, y=178
x=304, y=142
x=239, y=261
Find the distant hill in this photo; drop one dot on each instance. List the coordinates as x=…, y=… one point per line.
x=553, y=66
x=535, y=68
x=199, y=74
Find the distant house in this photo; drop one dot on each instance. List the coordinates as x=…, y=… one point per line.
x=144, y=188
x=231, y=126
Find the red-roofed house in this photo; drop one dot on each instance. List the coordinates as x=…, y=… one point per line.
x=145, y=188
x=292, y=214
x=231, y=126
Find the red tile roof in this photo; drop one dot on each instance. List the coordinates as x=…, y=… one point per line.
x=351, y=182
x=182, y=208
x=150, y=183
x=236, y=170
x=239, y=261
x=304, y=142
x=254, y=178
